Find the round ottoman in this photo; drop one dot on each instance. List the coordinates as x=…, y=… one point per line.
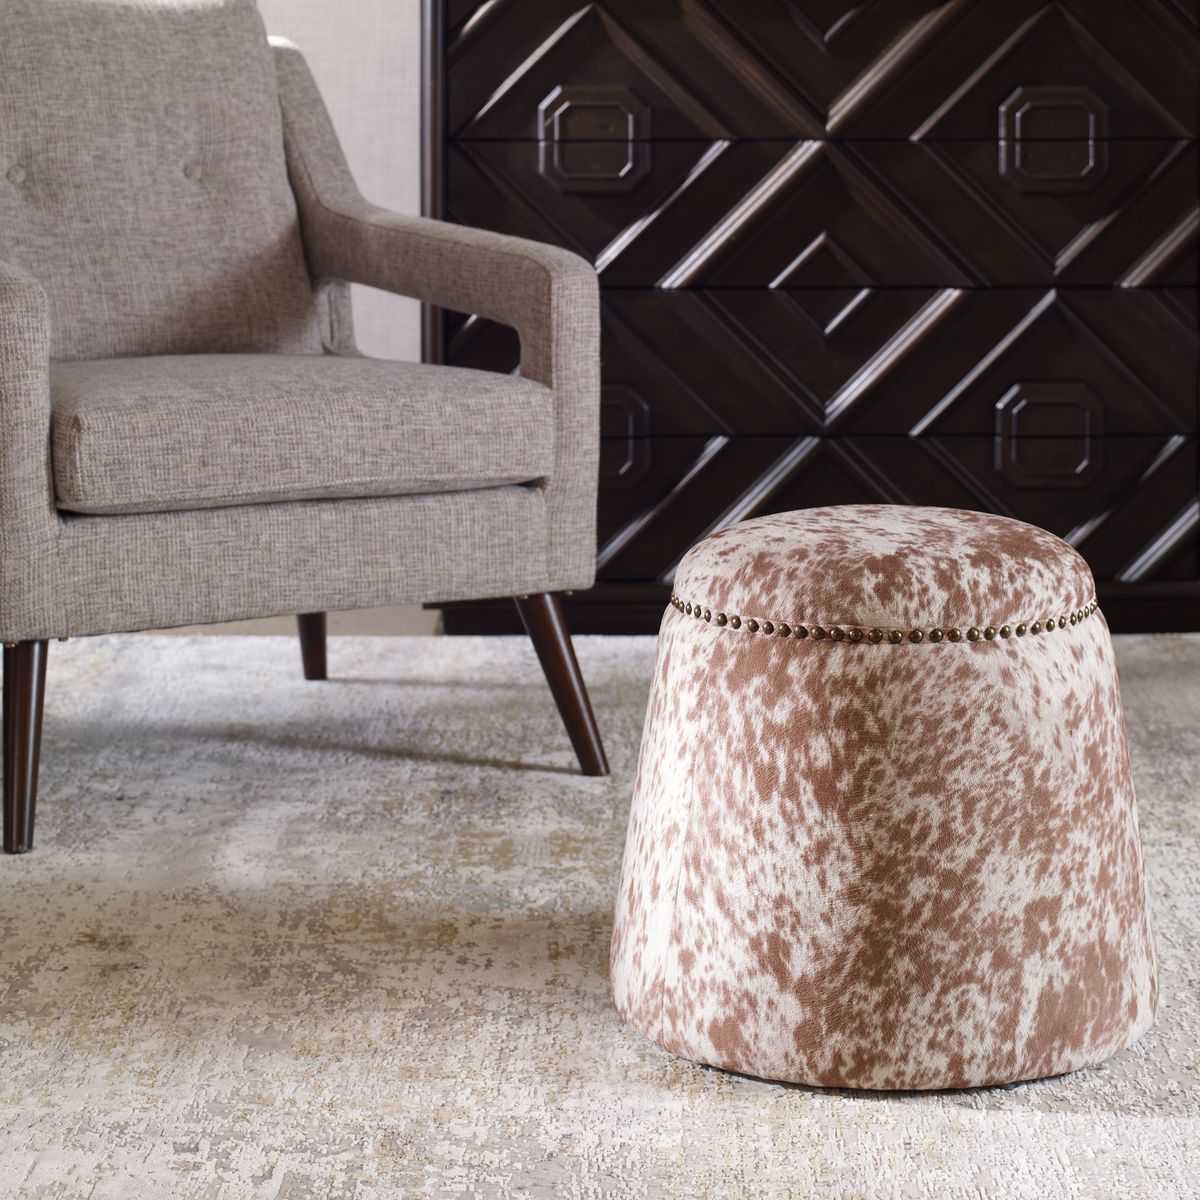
x=883, y=833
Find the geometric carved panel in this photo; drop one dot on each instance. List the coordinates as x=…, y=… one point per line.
x=799, y=68
x=1049, y=435
x=1053, y=139
x=694, y=485
x=593, y=138
x=912, y=252
x=919, y=361
x=684, y=214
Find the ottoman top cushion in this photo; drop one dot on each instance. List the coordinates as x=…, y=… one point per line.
x=888, y=566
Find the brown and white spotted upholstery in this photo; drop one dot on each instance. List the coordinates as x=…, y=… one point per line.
x=884, y=832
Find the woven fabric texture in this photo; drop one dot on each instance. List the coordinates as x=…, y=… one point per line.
x=143, y=178
x=225, y=564
x=200, y=431
x=875, y=864
x=145, y=210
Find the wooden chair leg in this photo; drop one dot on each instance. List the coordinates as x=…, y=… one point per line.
x=312, y=644
x=542, y=616
x=24, y=696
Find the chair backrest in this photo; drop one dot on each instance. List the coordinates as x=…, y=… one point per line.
x=143, y=180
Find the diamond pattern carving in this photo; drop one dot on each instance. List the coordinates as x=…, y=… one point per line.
x=826, y=304
x=910, y=252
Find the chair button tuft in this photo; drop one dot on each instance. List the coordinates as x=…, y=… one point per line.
x=15, y=175
x=193, y=171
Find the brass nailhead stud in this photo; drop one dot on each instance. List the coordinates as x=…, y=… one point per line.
x=838, y=633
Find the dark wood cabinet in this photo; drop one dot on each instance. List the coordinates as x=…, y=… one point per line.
x=903, y=252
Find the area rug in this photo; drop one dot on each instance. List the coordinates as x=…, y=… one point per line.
x=286, y=939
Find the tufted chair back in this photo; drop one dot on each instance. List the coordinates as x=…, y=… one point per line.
x=143, y=180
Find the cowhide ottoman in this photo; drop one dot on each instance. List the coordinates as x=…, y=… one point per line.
x=884, y=832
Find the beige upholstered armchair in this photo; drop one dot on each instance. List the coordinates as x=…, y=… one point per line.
x=187, y=433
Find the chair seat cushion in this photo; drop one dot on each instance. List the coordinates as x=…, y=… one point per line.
x=204, y=431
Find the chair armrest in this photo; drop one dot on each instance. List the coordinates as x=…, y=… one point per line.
x=27, y=517
x=548, y=295
x=24, y=327
x=545, y=293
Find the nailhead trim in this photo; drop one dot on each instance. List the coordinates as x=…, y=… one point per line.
x=875, y=637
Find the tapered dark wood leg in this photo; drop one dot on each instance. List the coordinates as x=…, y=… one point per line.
x=312, y=644
x=543, y=618
x=24, y=695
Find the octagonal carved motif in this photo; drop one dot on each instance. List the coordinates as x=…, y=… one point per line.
x=593, y=138
x=1053, y=139
x=1050, y=435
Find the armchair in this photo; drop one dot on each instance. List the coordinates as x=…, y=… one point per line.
x=187, y=433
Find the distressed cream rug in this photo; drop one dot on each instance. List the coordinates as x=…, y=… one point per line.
x=350, y=939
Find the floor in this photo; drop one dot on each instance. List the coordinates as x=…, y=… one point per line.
x=341, y=940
